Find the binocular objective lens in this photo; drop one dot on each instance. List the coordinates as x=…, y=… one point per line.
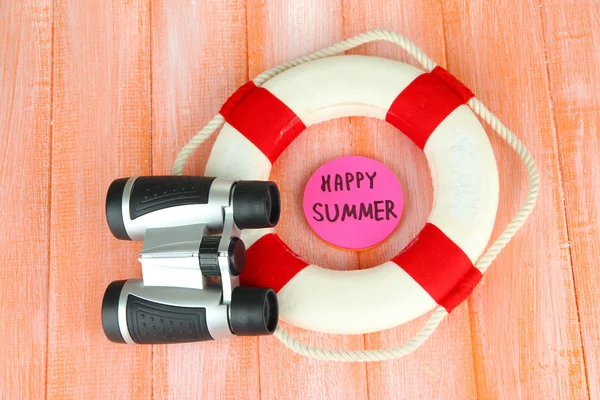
x=256, y=204
x=254, y=311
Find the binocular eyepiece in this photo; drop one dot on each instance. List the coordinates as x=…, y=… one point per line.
x=191, y=259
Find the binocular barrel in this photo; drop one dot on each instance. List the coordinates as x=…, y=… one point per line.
x=136, y=314
x=138, y=203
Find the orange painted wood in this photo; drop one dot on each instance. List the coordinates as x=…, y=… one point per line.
x=277, y=32
x=573, y=39
x=198, y=60
x=423, y=375
x=525, y=330
x=25, y=84
x=101, y=131
x=92, y=91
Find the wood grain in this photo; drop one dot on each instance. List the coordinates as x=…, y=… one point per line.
x=573, y=43
x=425, y=374
x=277, y=32
x=524, y=318
x=95, y=90
x=101, y=109
x=25, y=85
x=198, y=60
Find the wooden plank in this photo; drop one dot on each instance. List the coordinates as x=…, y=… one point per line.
x=277, y=32
x=25, y=87
x=573, y=40
x=101, y=132
x=525, y=329
x=443, y=367
x=198, y=59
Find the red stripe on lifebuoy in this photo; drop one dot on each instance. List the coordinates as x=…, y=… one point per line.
x=425, y=103
x=266, y=121
x=236, y=98
x=439, y=266
x=454, y=84
x=270, y=263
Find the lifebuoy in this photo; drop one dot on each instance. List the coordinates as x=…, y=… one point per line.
x=436, y=268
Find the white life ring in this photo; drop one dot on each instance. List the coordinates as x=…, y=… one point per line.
x=436, y=268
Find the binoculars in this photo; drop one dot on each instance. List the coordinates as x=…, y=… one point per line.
x=191, y=259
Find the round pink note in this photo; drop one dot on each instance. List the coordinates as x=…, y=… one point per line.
x=353, y=202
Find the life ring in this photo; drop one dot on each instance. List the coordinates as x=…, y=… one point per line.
x=437, y=267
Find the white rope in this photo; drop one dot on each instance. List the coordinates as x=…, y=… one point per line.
x=482, y=264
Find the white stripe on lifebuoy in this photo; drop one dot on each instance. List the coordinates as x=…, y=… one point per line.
x=464, y=177
x=251, y=236
x=318, y=97
x=465, y=181
x=353, y=302
x=235, y=157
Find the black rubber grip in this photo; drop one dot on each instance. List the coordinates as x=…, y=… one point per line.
x=153, y=193
x=110, y=312
x=155, y=323
x=114, y=209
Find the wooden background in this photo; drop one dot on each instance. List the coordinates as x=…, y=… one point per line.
x=95, y=90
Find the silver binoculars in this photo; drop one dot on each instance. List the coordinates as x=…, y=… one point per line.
x=191, y=259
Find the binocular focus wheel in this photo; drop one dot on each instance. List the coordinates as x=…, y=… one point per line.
x=209, y=257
